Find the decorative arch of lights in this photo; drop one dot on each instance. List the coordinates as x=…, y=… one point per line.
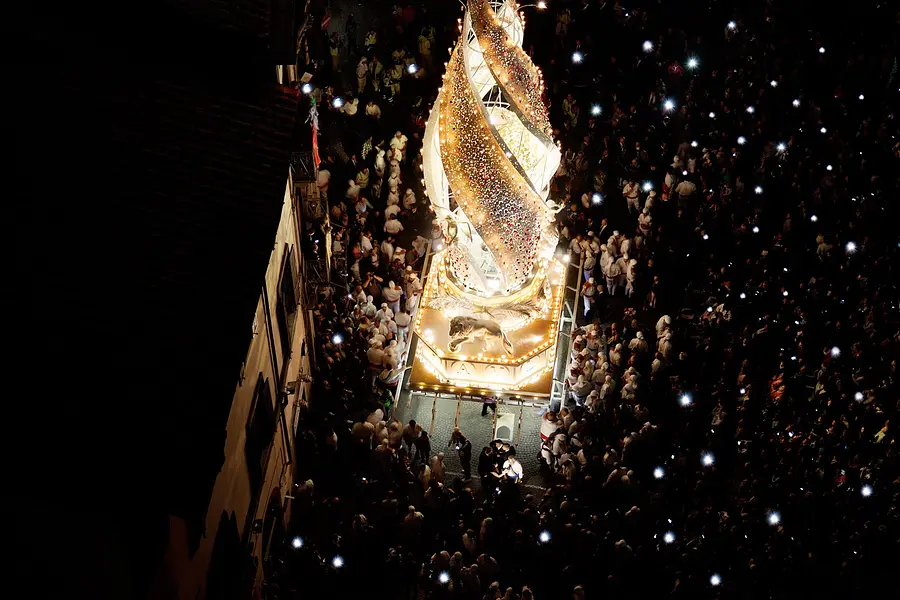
x=488, y=160
x=489, y=155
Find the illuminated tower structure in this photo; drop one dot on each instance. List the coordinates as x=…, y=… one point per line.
x=491, y=304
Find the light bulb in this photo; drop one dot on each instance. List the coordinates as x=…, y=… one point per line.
x=577, y=57
x=658, y=473
x=715, y=580
x=708, y=460
x=544, y=537
x=669, y=537
x=796, y=103
x=741, y=140
x=751, y=109
x=306, y=88
x=648, y=46
x=866, y=491
x=774, y=518
x=668, y=105
x=337, y=562
x=297, y=543
x=685, y=400
x=595, y=110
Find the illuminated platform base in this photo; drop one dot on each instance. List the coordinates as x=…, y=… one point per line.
x=482, y=366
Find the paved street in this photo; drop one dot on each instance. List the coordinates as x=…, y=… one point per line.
x=479, y=429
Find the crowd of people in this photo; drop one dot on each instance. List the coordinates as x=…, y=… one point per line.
x=730, y=185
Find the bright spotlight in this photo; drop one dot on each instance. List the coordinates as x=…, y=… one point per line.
x=337, y=562
x=814, y=218
x=751, y=109
x=821, y=49
x=596, y=199
x=658, y=473
x=542, y=5
x=715, y=580
x=822, y=130
x=742, y=391
x=828, y=167
x=866, y=491
x=859, y=396
x=306, y=88
x=412, y=69
x=444, y=577
x=668, y=105
x=732, y=25
x=337, y=102
x=850, y=247
x=693, y=143
x=755, y=229
x=337, y=338
x=297, y=542
x=862, y=97
x=784, y=293
x=708, y=460
x=741, y=140
x=712, y=115
x=796, y=103
x=692, y=63
x=743, y=296
x=595, y=110
x=647, y=186
x=577, y=57
x=835, y=351
x=669, y=537
x=685, y=400
x=758, y=190
x=544, y=537
x=781, y=147
x=647, y=46
x=774, y=518
x=773, y=83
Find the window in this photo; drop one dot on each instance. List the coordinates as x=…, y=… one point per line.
x=287, y=305
x=260, y=429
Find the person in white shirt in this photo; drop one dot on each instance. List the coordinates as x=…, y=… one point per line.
x=398, y=142
x=587, y=293
x=387, y=249
x=362, y=74
x=365, y=242
x=380, y=163
x=350, y=107
x=589, y=262
x=393, y=198
x=322, y=181
x=630, y=275
x=391, y=211
x=393, y=226
x=400, y=255
x=632, y=193
x=373, y=111
x=512, y=468
x=638, y=344
x=392, y=295
x=645, y=221
x=576, y=249
x=353, y=191
x=613, y=275
x=662, y=324
x=409, y=199
x=402, y=319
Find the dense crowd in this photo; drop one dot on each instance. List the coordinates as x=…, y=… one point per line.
x=730, y=183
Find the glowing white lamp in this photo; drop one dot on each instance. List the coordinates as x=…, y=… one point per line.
x=337, y=102
x=732, y=25
x=715, y=579
x=751, y=109
x=685, y=400
x=866, y=491
x=647, y=46
x=306, y=88
x=850, y=247
x=444, y=577
x=741, y=140
x=595, y=110
x=708, y=460
x=669, y=537
x=758, y=190
x=544, y=537
x=774, y=518
x=577, y=57
x=337, y=562
x=297, y=542
x=796, y=103
x=658, y=473
x=669, y=105
x=596, y=199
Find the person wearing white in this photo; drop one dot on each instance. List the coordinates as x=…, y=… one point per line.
x=638, y=344
x=384, y=312
x=512, y=468
x=587, y=293
x=380, y=164
x=350, y=107
x=662, y=324
x=362, y=74
x=589, y=262
x=353, y=191
x=409, y=199
x=632, y=193
x=365, y=242
x=387, y=249
x=373, y=111
x=391, y=211
x=398, y=142
x=392, y=295
x=402, y=319
x=322, y=180
x=393, y=226
x=613, y=275
x=630, y=276
x=369, y=308
x=645, y=221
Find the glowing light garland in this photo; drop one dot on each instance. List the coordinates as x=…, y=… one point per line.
x=488, y=146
